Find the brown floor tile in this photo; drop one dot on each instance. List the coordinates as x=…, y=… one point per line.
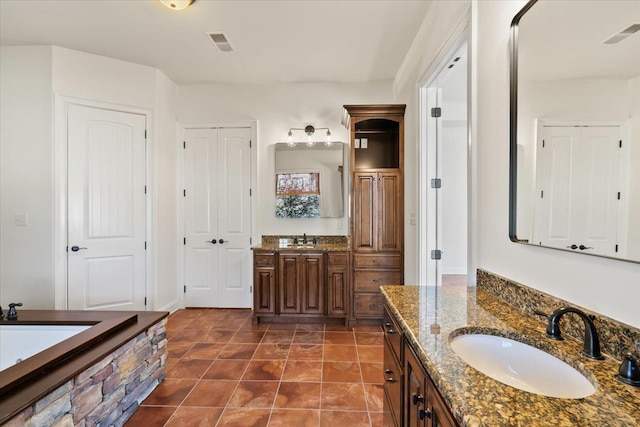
x=343, y=396
x=295, y=417
x=178, y=349
x=298, y=395
x=188, y=369
x=186, y=416
x=367, y=328
x=190, y=335
x=302, y=370
x=306, y=352
x=214, y=393
x=372, y=373
x=283, y=327
x=244, y=417
x=221, y=336
x=339, y=338
x=170, y=392
x=203, y=351
x=374, y=395
x=265, y=370
x=369, y=338
x=305, y=337
x=277, y=337
x=370, y=354
x=228, y=369
x=340, y=353
x=336, y=328
x=237, y=315
x=317, y=327
x=377, y=419
x=342, y=418
x=238, y=351
x=272, y=351
x=343, y=372
x=254, y=394
x=150, y=416
x=247, y=337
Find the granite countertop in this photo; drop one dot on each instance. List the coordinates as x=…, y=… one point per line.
x=477, y=400
x=320, y=247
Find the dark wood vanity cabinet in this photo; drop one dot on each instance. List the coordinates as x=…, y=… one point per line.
x=301, y=284
x=411, y=398
x=377, y=147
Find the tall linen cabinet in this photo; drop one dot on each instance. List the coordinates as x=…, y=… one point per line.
x=377, y=204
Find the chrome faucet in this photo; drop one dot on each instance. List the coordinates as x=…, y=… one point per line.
x=304, y=238
x=591, y=340
x=13, y=314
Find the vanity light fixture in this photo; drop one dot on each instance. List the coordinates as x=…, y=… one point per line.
x=309, y=130
x=177, y=4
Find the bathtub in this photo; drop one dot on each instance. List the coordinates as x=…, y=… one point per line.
x=95, y=365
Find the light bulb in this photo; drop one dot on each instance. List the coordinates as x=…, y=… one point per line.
x=176, y=4
x=329, y=143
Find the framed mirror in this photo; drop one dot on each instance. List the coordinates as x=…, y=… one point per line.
x=575, y=127
x=309, y=180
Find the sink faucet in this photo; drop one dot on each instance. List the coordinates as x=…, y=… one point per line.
x=304, y=238
x=13, y=314
x=591, y=340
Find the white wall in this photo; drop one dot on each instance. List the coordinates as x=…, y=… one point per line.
x=277, y=108
x=633, y=240
x=606, y=286
x=26, y=176
x=30, y=77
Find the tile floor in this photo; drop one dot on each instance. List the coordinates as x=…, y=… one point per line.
x=223, y=371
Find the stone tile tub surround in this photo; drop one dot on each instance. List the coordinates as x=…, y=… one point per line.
x=616, y=338
x=324, y=242
x=477, y=400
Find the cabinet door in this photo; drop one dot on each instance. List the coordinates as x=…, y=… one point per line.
x=264, y=290
x=364, y=213
x=390, y=210
x=312, y=284
x=288, y=283
x=440, y=416
x=337, y=291
x=415, y=393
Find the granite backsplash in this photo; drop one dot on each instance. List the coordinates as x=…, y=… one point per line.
x=616, y=338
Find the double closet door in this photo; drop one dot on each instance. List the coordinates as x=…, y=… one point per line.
x=217, y=236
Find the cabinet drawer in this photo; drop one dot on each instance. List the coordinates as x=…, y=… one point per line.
x=264, y=260
x=368, y=305
x=377, y=261
x=372, y=280
x=392, y=381
x=392, y=333
x=338, y=259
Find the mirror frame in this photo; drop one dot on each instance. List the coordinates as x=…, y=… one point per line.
x=513, y=138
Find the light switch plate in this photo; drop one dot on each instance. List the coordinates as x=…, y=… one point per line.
x=356, y=143
x=364, y=142
x=21, y=219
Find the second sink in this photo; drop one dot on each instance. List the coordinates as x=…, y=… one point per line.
x=521, y=366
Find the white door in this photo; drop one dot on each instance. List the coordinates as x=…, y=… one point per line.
x=218, y=217
x=578, y=191
x=106, y=209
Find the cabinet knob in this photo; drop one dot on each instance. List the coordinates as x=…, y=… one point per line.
x=417, y=398
x=388, y=372
x=388, y=329
x=424, y=413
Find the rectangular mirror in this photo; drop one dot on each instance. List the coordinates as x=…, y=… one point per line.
x=575, y=127
x=309, y=180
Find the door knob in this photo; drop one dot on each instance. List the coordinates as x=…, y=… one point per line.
x=574, y=246
x=214, y=241
x=583, y=247
x=221, y=241
x=76, y=248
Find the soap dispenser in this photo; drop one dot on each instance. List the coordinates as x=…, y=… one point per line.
x=629, y=371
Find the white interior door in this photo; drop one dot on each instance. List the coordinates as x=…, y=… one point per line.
x=106, y=209
x=578, y=190
x=218, y=217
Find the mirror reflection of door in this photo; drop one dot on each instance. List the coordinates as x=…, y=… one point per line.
x=447, y=166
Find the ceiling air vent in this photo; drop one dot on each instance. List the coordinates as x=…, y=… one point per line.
x=220, y=42
x=616, y=38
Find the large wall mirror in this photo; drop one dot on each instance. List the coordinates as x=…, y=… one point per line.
x=575, y=127
x=309, y=180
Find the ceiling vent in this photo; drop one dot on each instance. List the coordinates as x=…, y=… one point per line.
x=220, y=41
x=616, y=38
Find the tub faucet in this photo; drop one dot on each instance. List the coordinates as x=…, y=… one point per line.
x=12, y=314
x=591, y=340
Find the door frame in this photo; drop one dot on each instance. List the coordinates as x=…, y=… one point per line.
x=60, y=153
x=460, y=34
x=180, y=216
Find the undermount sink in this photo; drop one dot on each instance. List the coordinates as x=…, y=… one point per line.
x=521, y=366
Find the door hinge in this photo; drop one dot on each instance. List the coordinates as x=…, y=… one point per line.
x=250, y=289
x=184, y=144
x=249, y=143
x=436, y=183
x=542, y=194
x=185, y=289
x=620, y=145
x=145, y=301
x=145, y=189
x=616, y=248
x=436, y=254
x=543, y=143
x=145, y=246
x=618, y=195
x=436, y=112
x=250, y=240
x=145, y=137
x=184, y=241
x=184, y=193
x=250, y=193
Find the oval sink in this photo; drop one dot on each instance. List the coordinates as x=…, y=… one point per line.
x=521, y=366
